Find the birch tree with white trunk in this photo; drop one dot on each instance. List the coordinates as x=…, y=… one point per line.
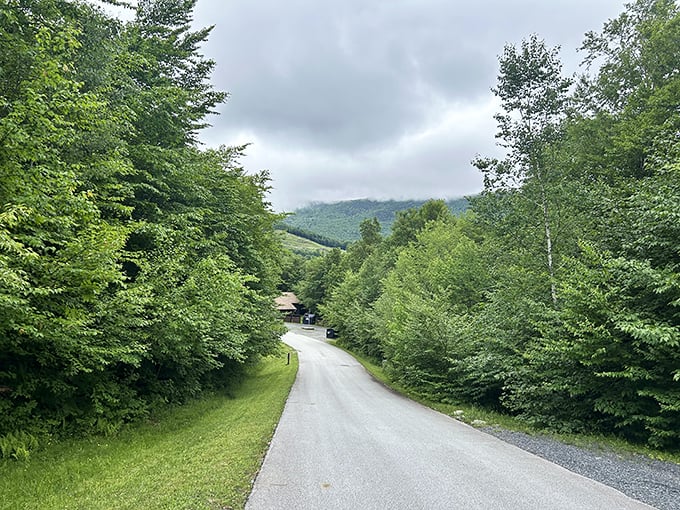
x=534, y=96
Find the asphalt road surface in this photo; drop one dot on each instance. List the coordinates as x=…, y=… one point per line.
x=346, y=442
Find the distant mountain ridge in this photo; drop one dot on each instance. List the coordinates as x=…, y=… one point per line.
x=340, y=220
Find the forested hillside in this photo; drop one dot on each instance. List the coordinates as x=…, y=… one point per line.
x=340, y=221
x=135, y=268
x=557, y=296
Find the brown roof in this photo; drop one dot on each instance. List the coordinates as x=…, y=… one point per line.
x=286, y=302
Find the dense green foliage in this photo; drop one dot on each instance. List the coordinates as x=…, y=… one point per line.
x=340, y=221
x=135, y=269
x=557, y=297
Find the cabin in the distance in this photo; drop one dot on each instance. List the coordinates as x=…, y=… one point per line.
x=290, y=307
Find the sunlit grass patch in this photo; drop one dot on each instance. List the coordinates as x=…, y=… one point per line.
x=203, y=455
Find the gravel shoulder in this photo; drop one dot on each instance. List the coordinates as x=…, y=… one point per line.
x=653, y=482
x=650, y=481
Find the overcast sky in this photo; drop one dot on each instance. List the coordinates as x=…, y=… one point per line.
x=387, y=99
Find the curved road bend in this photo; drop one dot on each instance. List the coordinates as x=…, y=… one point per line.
x=346, y=442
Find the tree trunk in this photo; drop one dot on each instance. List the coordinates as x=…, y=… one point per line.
x=548, y=245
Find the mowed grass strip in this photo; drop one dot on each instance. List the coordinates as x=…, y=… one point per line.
x=297, y=243
x=203, y=455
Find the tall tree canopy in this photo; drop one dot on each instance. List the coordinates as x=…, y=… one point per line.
x=533, y=94
x=135, y=268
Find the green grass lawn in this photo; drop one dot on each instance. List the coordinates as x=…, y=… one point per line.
x=203, y=455
x=301, y=245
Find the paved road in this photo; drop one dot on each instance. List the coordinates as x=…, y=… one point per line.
x=346, y=442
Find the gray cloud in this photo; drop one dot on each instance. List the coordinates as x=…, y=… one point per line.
x=377, y=98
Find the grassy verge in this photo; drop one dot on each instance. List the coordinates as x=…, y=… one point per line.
x=482, y=417
x=302, y=245
x=203, y=455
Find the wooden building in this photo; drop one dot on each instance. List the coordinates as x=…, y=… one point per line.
x=289, y=306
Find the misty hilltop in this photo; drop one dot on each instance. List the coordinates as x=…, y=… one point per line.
x=340, y=220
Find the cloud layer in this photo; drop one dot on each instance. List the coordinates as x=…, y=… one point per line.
x=346, y=99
